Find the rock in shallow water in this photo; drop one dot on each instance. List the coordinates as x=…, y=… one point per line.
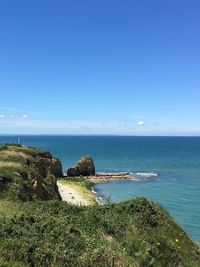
x=85, y=167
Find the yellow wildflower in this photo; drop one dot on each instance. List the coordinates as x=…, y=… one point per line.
x=176, y=240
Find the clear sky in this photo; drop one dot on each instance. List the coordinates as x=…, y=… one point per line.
x=127, y=67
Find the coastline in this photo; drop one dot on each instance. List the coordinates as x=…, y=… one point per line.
x=102, y=177
x=77, y=192
x=77, y=226
x=110, y=176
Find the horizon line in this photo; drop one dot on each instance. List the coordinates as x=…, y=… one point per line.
x=111, y=135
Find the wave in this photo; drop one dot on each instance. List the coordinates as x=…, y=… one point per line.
x=93, y=191
x=99, y=199
x=135, y=179
x=146, y=174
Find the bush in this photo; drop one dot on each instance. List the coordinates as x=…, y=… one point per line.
x=54, y=233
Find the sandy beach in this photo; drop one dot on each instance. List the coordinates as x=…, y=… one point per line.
x=72, y=195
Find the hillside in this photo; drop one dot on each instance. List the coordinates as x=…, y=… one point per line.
x=28, y=173
x=56, y=234
x=137, y=232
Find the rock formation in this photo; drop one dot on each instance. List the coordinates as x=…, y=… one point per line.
x=84, y=167
x=29, y=173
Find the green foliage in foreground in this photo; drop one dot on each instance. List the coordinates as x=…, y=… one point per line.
x=54, y=233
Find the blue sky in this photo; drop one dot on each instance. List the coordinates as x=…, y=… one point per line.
x=100, y=67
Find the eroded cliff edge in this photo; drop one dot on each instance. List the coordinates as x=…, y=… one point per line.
x=27, y=173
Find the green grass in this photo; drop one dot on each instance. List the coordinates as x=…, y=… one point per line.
x=53, y=233
x=4, y=263
x=13, y=156
x=31, y=151
x=11, y=170
x=10, y=165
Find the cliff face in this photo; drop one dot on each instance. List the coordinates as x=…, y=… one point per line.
x=28, y=173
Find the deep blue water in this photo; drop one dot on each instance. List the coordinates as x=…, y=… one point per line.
x=175, y=160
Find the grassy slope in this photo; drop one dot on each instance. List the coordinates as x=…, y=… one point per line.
x=55, y=233
x=13, y=161
x=18, y=169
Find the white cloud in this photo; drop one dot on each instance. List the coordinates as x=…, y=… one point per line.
x=25, y=116
x=15, y=116
x=32, y=126
x=2, y=116
x=141, y=123
x=18, y=111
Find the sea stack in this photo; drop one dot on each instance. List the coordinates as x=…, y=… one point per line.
x=84, y=167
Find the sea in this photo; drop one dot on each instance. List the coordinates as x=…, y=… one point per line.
x=166, y=169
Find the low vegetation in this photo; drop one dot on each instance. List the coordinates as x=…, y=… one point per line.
x=34, y=233
x=54, y=233
x=31, y=151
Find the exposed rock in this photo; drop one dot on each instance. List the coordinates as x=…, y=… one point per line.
x=102, y=177
x=43, y=183
x=84, y=167
x=71, y=172
x=34, y=177
x=56, y=167
x=46, y=165
x=46, y=190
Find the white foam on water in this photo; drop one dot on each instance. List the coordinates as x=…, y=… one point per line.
x=147, y=174
x=135, y=180
x=99, y=199
x=93, y=191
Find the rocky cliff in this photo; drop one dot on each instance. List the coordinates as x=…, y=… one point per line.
x=27, y=173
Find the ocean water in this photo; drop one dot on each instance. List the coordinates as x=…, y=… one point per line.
x=167, y=169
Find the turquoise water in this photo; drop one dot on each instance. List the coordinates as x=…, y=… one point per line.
x=174, y=161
